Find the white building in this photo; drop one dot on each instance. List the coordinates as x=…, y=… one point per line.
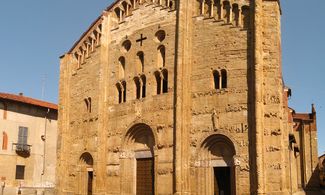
x=28, y=145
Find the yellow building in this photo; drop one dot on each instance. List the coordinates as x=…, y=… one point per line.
x=182, y=97
x=28, y=145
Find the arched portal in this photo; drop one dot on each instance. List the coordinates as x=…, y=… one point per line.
x=216, y=170
x=86, y=176
x=138, y=160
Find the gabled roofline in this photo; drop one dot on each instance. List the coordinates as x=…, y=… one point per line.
x=27, y=100
x=85, y=33
x=92, y=25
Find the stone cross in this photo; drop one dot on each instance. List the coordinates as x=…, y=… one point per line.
x=141, y=39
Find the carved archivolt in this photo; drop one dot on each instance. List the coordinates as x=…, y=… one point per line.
x=216, y=150
x=140, y=137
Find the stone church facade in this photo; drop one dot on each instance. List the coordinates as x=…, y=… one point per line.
x=181, y=97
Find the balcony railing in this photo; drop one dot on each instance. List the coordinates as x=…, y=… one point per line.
x=22, y=149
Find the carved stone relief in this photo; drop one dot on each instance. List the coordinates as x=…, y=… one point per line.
x=272, y=149
x=271, y=99
x=165, y=171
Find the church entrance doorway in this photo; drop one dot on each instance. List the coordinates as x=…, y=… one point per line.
x=222, y=180
x=139, y=147
x=86, y=174
x=145, y=176
x=215, y=166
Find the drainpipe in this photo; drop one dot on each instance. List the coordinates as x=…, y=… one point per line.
x=43, y=137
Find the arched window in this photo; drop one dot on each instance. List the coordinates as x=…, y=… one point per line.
x=140, y=62
x=208, y=8
x=126, y=45
x=124, y=90
x=143, y=83
x=158, y=80
x=215, y=8
x=4, y=141
x=162, y=81
x=245, y=17
x=161, y=56
x=121, y=89
x=227, y=11
x=140, y=85
x=97, y=35
x=137, y=87
x=236, y=14
x=160, y=35
x=199, y=6
x=89, y=108
x=88, y=104
x=165, y=81
x=120, y=92
x=119, y=14
x=121, y=67
x=223, y=78
x=216, y=79
x=171, y=5
x=126, y=8
x=206, y=11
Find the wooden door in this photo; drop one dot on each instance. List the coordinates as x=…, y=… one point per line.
x=145, y=176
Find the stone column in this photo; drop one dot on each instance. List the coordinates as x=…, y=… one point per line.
x=211, y=9
x=202, y=7
x=221, y=11
x=182, y=103
x=100, y=167
x=230, y=19
x=256, y=10
x=239, y=22
x=161, y=82
x=271, y=167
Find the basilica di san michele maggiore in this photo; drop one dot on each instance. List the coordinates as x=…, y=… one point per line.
x=182, y=97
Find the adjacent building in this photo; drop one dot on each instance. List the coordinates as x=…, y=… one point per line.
x=28, y=145
x=322, y=170
x=182, y=97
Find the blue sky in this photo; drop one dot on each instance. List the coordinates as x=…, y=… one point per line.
x=35, y=33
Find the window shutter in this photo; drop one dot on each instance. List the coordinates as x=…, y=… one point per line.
x=22, y=135
x=25, y=135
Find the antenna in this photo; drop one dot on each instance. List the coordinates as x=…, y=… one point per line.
x=44, y=77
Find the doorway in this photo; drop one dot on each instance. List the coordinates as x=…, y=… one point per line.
x=145, y=176
x=90, y=183
x=222, y=180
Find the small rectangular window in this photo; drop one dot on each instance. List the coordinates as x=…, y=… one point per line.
x=20, y=171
